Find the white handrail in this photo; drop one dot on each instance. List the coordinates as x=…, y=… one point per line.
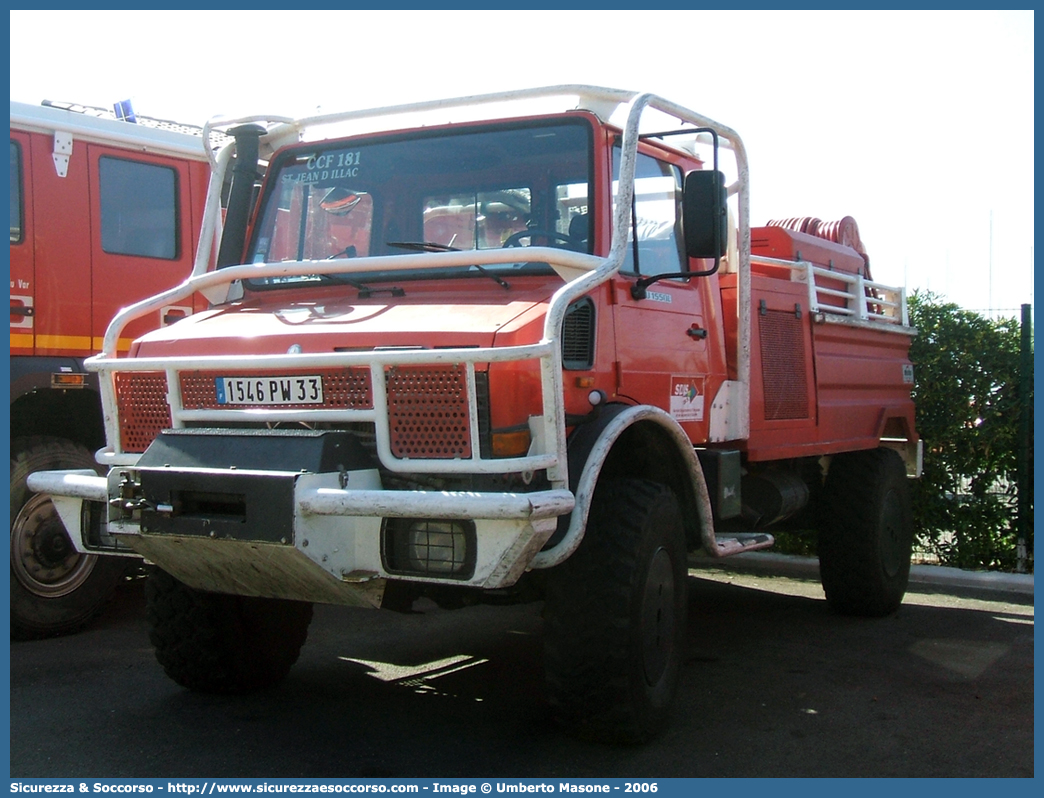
x=861, y=296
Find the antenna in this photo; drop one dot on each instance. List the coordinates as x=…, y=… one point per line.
x=989, y=304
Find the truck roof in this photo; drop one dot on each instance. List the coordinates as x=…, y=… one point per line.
x=610, y=105
x=101, y=125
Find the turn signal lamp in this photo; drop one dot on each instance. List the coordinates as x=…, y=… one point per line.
x=70, y=380
x=511, y=444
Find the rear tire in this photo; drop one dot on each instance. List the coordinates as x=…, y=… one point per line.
x=217, y=643
x=616, y=616
x=54, y=589
x=866, y=533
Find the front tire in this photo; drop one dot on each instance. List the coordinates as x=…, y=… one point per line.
x=217, y=643
x=616, y=616
x=54, y=589
x=866, y=533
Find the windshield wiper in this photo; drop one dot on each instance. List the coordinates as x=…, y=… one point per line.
x=365, y=291
x=431, y=246
x=423, y=246
x=491, y=276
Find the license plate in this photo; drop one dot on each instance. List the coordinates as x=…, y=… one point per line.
x=296, y=390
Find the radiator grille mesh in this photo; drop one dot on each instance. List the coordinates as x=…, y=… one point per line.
x=428, y=412
x=141, y=397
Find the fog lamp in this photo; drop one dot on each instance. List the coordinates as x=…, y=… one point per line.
x=430, y=547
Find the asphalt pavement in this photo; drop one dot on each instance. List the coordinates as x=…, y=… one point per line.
x=774, y=685
x=922, y=577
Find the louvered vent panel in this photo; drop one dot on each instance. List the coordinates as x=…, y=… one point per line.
x=783, y=366
x=578, y=332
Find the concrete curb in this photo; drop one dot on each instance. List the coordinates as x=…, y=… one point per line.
x=936, y=576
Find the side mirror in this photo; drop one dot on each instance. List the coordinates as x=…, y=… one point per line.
x=704, y=218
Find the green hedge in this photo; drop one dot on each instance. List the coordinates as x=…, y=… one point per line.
x=967, y=381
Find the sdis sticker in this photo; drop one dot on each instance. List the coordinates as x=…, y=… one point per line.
x=687, y=398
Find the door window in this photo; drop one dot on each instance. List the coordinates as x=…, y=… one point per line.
x=138, y=208
x=16, y=193
x=657, y=203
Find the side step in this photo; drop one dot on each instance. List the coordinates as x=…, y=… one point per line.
x=735, y=543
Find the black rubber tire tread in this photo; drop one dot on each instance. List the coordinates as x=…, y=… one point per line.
x=217, y=643
x=593, y=650
x=866, y=504
x=33, y=615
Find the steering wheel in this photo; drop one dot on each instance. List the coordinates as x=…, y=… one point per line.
x=554, y=235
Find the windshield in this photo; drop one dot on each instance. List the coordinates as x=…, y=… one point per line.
x=516, y=186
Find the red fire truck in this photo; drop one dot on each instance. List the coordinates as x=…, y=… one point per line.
x=103, y=214
x=510, y=347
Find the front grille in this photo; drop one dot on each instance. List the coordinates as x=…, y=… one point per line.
x=428, y=413
x=141, y=398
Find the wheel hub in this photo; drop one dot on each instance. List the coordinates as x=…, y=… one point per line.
x=43, y=559
x=658, y=622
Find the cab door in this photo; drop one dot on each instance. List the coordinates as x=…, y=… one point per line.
x=23, y=303
x=661, y=338
x=142, y=236
x=50, y=260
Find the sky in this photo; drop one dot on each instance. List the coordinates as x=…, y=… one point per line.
x=917, y=124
